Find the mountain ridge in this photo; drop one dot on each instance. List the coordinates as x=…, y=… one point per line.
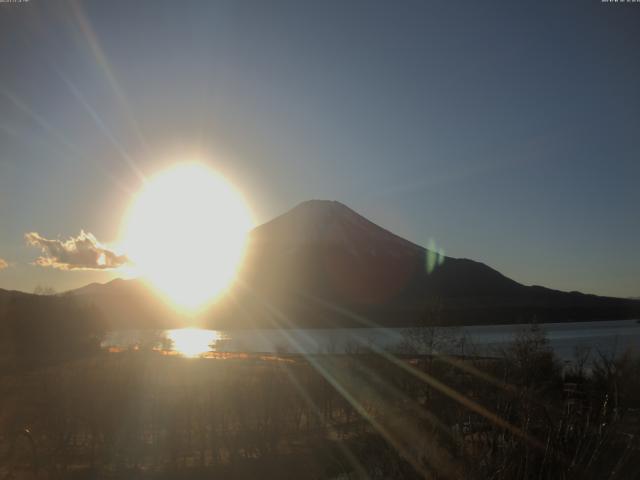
x=361, y=268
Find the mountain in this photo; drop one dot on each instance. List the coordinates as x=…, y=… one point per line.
x=125, y=304
x=323, y=265
x=5, y=298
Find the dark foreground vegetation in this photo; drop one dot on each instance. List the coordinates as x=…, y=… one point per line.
x=70, y=410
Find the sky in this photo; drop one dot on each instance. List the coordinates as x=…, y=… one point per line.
x=505, y=132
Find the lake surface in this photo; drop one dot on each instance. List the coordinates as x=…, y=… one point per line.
x=613, y=336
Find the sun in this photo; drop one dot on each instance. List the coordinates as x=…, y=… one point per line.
x=186, y=232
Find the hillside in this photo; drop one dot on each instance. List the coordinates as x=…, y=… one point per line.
x=322, y=264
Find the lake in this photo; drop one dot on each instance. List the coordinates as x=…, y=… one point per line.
x=612, y=336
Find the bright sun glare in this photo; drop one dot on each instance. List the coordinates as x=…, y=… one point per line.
x=192, y=342
x=186, y=234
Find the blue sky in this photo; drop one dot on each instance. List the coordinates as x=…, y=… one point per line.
x=506, y=132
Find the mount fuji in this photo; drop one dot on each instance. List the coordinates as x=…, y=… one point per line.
x=322, y=264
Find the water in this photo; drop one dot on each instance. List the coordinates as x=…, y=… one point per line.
x=613, y=336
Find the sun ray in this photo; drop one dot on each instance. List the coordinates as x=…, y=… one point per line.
x=102, y=61
x=100, y=124
x=58, y=137
x=394, y=437
x=442, y=387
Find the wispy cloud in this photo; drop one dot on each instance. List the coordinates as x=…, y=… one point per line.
x=83, y=252
x=3, y=264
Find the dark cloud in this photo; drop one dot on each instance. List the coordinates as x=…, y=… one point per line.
x=3, y=264
x=81, y=253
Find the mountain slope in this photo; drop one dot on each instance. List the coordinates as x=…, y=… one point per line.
x=126, y=304
x=322, y=264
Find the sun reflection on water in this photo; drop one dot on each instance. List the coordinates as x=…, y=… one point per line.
x=193, y=342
